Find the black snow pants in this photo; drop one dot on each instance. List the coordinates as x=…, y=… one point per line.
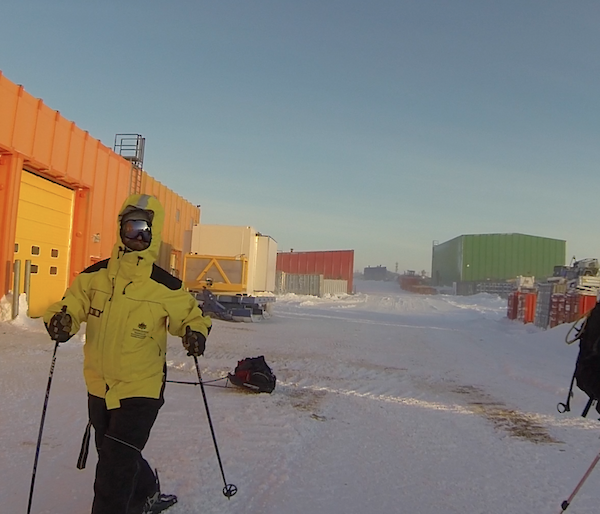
x=124, y=479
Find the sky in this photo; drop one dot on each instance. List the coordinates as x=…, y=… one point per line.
x=377, y=126
x=385, y=402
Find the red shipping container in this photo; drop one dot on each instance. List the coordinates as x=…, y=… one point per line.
x=332, y=264
x=586, y=304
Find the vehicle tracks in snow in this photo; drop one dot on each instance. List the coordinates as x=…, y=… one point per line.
x=522, y=425
x=515, y=423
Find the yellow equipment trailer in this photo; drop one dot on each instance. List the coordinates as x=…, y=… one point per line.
x=220, y=284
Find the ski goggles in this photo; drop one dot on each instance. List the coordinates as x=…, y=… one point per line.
x=133, y=229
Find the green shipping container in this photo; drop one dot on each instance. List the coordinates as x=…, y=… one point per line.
x=495, y=257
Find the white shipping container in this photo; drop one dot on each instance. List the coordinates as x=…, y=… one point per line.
x=266, y=263
x=237, y=242
x=224, y=240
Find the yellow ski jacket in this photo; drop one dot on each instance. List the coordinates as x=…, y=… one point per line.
x=129, y=303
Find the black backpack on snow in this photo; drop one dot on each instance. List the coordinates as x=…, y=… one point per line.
x=253, y=373
x=587, y=367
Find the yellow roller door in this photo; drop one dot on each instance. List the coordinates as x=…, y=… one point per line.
x=43, y=235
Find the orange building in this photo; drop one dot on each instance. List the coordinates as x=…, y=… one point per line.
x=60, y=192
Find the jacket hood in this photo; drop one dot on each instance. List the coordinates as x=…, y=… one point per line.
x=146, y=203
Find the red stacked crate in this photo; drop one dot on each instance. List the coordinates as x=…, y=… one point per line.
x=571, y=306
x=521, y=307
x=557, y=308
x=513, y=304
x=562, y=300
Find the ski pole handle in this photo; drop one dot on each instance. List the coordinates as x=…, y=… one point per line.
x=60, y=325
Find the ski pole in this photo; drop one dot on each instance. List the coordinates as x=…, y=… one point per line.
x=39, y=441
x=229, y=490
x=564, y=505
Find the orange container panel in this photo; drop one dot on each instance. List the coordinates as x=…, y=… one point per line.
x=75, y=158
x=110, y=189
x=119, y=173
x=42, y=143
x=97, y=205
x=25, y=121
x=9, y=201
x=530, y=304
x=89, y=161
x=102, y=206
x=586, y=304
x=8, y=107
x=60, y=146
x=180, y=217
x=81, y=251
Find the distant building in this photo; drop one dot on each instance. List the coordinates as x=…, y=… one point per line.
x=377, y=273
x=477, y=258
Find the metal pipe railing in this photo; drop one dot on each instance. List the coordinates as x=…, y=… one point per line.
x=16, y=291
x=27, y=282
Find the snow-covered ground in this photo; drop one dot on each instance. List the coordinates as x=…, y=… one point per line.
x=386, y=402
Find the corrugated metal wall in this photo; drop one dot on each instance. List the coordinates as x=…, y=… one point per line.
x=313, y=285
x=447, y=262
x=333, y=264
x=334, y=287
x=304, y=284
x=490, y=257
x=505, y=256
x=35, y=138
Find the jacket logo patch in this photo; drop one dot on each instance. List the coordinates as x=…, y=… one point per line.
x=140, y=332
x=95, y=312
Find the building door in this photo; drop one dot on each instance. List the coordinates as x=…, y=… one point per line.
x=43, y=236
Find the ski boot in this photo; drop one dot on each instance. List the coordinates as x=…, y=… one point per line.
x=158, y=501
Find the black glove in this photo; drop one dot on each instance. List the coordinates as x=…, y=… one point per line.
x=194, y=342
x=60, y=326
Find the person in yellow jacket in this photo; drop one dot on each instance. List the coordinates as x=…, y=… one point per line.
x=128, y=304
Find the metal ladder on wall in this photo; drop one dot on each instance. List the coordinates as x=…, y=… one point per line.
x=131, y=147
